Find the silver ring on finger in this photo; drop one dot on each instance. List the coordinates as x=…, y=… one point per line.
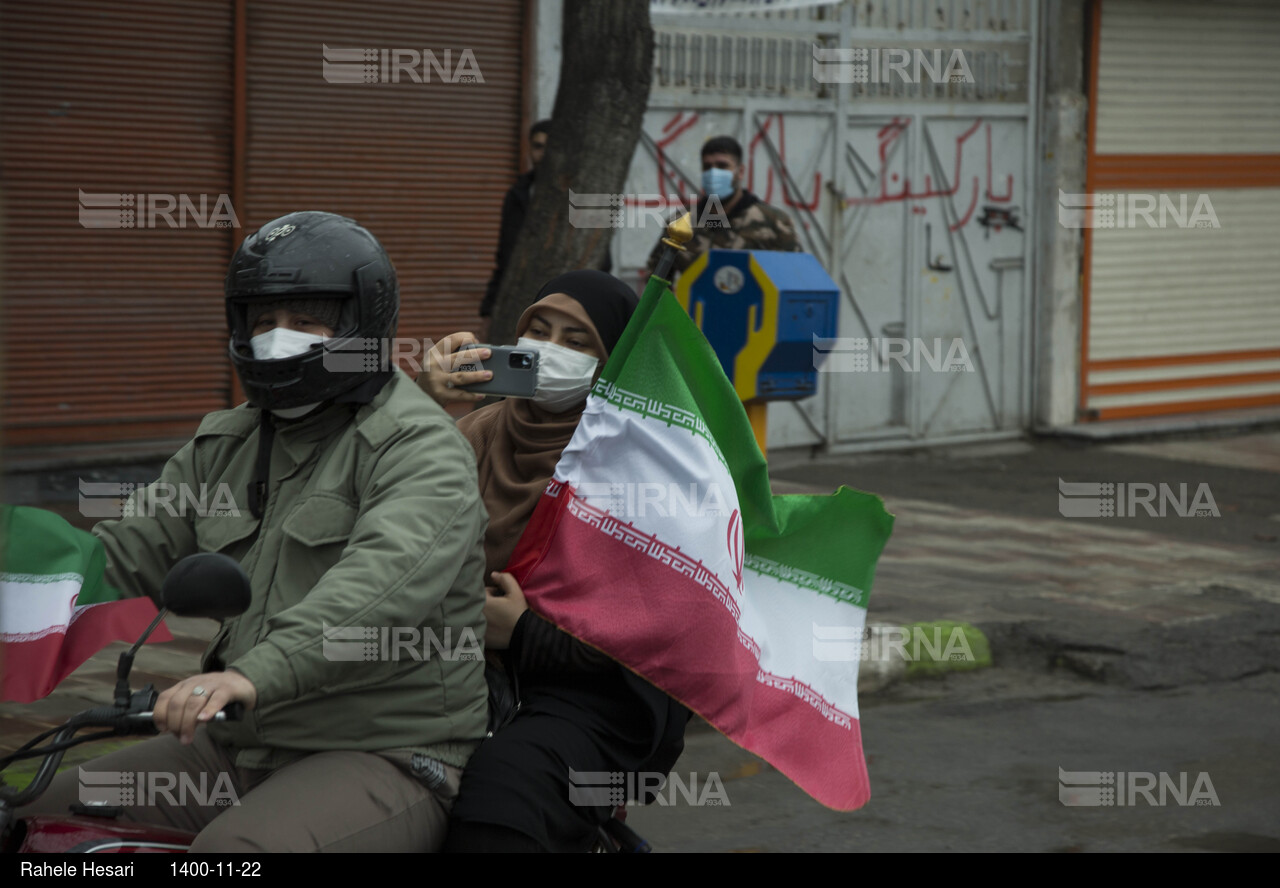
x=197, y=691
x=448, y=383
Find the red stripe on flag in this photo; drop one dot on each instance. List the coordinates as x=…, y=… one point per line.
x=32, y=669
x=671, y=630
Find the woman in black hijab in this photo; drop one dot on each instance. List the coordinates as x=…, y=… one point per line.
x=579, y=710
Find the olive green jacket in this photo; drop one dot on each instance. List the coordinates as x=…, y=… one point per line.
x=373, y=527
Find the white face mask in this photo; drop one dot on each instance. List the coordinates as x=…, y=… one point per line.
x=281, y=342
x=564, y=375
x=295, y=412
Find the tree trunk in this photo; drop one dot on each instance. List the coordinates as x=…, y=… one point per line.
x=605, y=71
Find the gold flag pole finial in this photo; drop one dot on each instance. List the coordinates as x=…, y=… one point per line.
x=679, y=233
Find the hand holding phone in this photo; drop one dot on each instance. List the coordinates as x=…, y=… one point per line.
x=440, y=376
x=515, y=370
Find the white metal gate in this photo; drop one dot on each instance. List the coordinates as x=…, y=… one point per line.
x=914, y=192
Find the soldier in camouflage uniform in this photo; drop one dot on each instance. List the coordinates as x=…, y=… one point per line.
x=746, y=223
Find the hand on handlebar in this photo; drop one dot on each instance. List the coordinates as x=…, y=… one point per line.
x=180, y=709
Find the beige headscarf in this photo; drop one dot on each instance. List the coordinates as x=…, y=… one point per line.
x=517, y=446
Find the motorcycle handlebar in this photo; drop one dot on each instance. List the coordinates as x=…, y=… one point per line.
x=230, y=713
x=111, y=717
x=119, y=720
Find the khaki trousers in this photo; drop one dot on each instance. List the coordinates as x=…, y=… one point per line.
x=328, y=801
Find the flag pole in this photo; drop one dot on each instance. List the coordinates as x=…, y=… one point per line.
x=679, y=233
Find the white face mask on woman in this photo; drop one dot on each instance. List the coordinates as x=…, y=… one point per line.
x=564, y=375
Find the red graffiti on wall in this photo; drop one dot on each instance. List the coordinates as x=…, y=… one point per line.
x=673, y=130
x=890, y=191
x=890, y=133
x=670, y=184
x=787, y=197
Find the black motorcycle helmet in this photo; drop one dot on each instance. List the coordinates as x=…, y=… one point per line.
x=311, y=256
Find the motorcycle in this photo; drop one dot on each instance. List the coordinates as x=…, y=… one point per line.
x=203, y=585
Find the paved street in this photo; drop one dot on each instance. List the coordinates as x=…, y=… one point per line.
x=970, y=763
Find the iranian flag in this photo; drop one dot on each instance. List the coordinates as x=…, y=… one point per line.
x=660, y=542
x=56, y=608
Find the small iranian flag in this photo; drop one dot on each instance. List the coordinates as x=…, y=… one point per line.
x=659, y=542
x=56, y=608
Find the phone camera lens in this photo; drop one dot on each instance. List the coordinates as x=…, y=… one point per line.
x=520, y=361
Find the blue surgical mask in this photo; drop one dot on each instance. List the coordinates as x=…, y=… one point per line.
x=718, y=182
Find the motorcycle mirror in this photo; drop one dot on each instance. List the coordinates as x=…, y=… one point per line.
x=207, y=585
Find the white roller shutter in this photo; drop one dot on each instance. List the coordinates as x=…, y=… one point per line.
x=1189, y=77
x=1183, y=307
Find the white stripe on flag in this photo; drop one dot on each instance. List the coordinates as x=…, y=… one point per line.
x=781, y=617
x=667, y=482
x=32, y=610
x=663, y=480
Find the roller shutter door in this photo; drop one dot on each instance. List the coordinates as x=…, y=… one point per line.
x=1183, y=304
x=423, y=165
x=113, y=332
x=118, y=333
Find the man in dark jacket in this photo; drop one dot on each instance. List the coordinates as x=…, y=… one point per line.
x=514, y=208
x=728, y=216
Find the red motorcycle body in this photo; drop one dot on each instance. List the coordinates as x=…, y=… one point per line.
x=97, y=835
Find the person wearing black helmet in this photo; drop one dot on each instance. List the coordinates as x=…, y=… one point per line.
x=357, y=517
x=336, y=268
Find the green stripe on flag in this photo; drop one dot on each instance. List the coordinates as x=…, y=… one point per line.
x=41, y=547
x=674, y=358
x=839, y=535
x=663, y=367
x=803, y=579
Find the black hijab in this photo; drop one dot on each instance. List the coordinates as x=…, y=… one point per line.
x=607, y=301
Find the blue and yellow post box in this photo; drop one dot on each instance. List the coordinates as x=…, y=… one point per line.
x=760, y=311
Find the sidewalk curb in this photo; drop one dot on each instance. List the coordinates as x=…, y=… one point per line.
x=935, y=648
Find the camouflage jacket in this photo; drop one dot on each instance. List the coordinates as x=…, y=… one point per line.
x=753, y=225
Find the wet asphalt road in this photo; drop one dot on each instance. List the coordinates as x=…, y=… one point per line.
x=970, y=763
